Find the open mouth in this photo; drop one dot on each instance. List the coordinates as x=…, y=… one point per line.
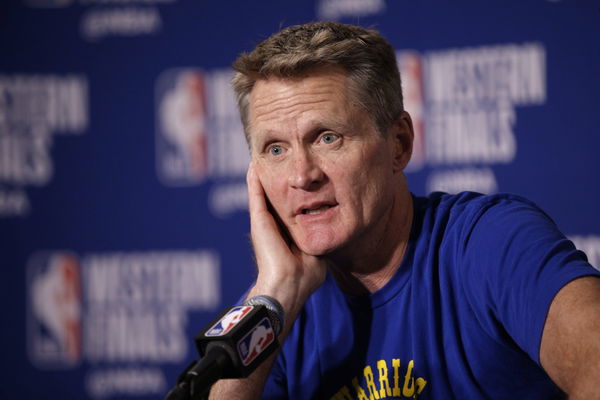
x=317, y=210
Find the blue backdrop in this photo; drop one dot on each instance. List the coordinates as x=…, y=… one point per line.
x=123, y=218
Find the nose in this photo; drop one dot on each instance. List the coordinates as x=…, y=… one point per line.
x=305, y=173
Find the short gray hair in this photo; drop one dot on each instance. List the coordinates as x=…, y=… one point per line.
x=367, y=58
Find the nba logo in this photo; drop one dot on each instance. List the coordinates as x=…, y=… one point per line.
x=411, y=71
x=256, y=341
x=229, y=320
x=54, y=308
x=181, y=127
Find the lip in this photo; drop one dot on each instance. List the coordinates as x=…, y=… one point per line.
x=313, y=205
x=321, y=217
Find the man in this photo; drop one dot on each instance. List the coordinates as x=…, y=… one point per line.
x=387, y=295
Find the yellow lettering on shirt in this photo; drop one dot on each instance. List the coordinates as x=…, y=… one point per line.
x=370, y=380
x=411, y=386
x=359, y=391
x=420, y=385
x=396, y=366
x=409, y=382
x=343, y=394
x=384, y=383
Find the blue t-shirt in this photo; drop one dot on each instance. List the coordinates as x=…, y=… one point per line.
x=461, y=319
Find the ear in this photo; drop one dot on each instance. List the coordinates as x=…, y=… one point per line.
x=401, y=136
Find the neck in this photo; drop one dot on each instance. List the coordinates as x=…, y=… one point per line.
x=367, y=268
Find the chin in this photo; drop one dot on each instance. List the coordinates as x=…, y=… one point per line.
x=315, y=251
x=318, y=243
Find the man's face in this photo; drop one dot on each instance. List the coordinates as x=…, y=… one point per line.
x=325, y=169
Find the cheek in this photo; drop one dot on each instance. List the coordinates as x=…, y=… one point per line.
x=370, y=185
x=274, y=187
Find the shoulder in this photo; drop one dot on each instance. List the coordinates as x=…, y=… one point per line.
x=501, y=229
x=457, y=217
x=473, y=204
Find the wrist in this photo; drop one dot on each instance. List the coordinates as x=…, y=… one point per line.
x=274, y=310
x=286, y=292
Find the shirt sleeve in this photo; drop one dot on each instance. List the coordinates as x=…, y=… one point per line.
x=515, y=261
x=275, y=386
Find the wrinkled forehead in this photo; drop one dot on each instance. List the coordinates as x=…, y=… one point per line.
x=273, y=99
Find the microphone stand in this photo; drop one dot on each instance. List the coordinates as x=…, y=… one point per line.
x=232, y=346
x=195, y=381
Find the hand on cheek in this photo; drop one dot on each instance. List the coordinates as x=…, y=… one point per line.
x=284, y=272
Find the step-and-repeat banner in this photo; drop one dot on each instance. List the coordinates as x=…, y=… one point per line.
x=123, y=215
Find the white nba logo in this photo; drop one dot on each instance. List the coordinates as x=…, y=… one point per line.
x=181, y=127
x=54, y=308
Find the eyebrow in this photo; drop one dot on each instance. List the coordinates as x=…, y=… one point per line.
x=313, y=128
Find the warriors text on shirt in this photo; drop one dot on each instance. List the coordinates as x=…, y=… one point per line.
x=383, y=382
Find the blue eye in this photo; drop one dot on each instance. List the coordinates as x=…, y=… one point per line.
x=275, y=150
x=329, y=138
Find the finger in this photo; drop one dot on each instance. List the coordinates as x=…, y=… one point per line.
x=262, y=222
x=266, y=207
x=256, y=194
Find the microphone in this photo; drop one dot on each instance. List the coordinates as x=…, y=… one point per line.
x=233, y=345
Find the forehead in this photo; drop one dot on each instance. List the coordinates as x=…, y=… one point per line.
x=321, y=94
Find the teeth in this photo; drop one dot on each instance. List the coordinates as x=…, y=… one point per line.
x=316, y=210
